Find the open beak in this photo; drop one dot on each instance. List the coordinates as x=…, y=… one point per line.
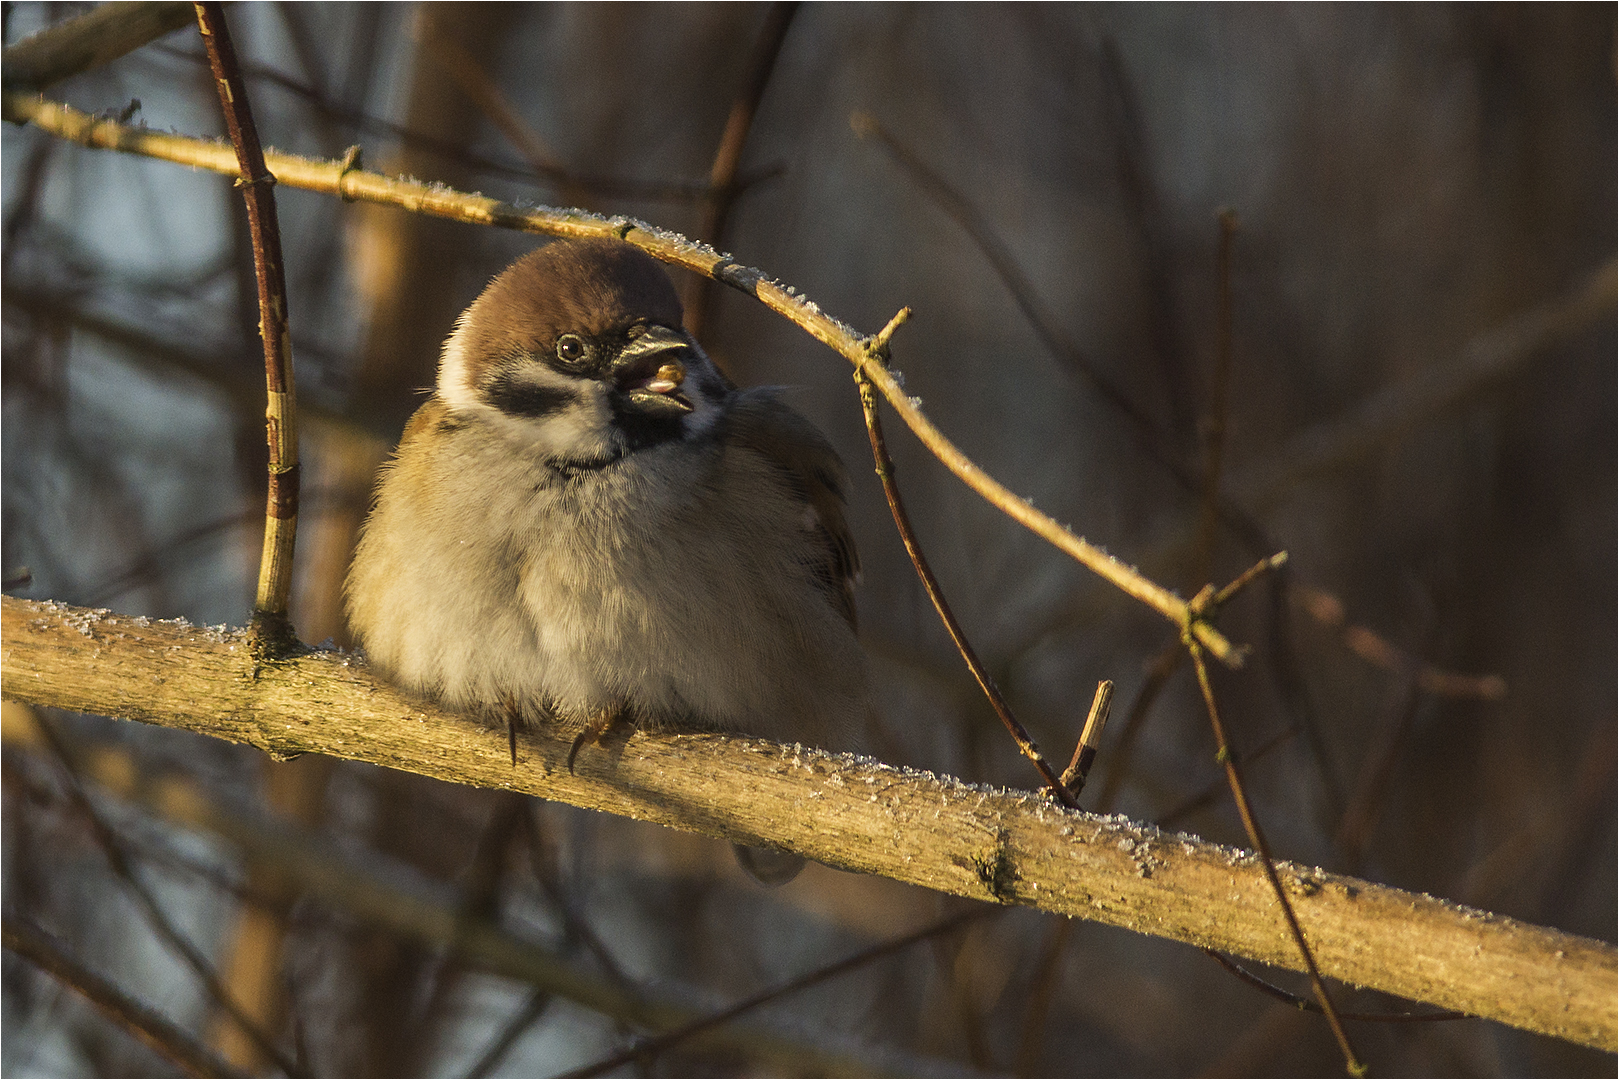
x=649, y=371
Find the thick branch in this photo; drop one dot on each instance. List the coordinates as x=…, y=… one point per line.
x=986, y=843
x=339, y=178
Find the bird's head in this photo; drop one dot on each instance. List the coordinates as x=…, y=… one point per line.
x=577, y=349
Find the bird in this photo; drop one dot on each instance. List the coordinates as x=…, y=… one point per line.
x=588, y=524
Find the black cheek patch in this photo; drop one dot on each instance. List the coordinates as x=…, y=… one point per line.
x=517, y=398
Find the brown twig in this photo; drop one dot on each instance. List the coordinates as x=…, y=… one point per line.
x=145, y=1024
x=1158, y=672
x=1307, y=1005
x=1090, y=739
x=1203, y=798
x=383, y=894
x=913, y=547
x=1369, y=796
x=1045, y=324
x=666, y=191
x=1257, y=837
x=281, y=416
x=722, y=185
x=344, y=181
x=647, y=1049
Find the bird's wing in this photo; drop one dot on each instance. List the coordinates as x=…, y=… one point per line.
x=763, y=424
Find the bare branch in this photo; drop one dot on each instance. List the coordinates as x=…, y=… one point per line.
x=341, y=179
x=95, y=38
x=281, y=411
x=856, y=814
x=913, y=547
x=151, y=1028
x=1487, y=358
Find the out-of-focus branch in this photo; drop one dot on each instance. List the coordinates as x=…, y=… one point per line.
x=983, y=843
x=281, y=411
x=386, y=894
x=1487, y=358
x=722, y=184
x=145, y=1024
x=649, y=1049
x=341, y=179
x=88, y=41
x=156, y=917
x=1373, y=648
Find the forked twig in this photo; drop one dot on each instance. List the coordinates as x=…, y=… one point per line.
x=1250, y=823
x=650, y=1048
x=145, y=1024
x=112, y=849
x=281, y=416
x=878, y=349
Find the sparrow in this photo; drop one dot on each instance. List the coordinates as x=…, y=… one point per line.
x=588, y=524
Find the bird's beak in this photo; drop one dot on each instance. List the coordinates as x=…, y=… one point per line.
x=649, y=371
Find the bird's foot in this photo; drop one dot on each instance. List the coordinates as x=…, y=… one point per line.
x=596, y=729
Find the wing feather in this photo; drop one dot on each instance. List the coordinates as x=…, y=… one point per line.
x=760, y=422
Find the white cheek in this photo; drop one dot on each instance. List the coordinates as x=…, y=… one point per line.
x=454, y=371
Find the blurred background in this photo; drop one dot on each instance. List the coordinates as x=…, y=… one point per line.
x=1354, y=265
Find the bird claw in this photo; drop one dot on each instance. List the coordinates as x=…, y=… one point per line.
x=595, y=730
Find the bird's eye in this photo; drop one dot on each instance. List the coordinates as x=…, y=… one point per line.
x=570, y=348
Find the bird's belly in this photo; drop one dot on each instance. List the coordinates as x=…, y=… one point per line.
x=692, y=635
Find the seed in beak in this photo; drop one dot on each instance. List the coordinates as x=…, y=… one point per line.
x=668, y=378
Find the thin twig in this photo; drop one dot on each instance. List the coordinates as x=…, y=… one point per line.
x=1158, y=672
x=281, y=415
x=381, y=893
x=1041, y=990
x=722, y=185
x=1045, y=324
x=913, y=547
x=534, y=1006
x=112, y=849
x=145, y=1024
x=648, y=1049
x=1203, y=798
x=1306, y=1005
x=1257, y=837
x=344, y=181
x=666, y=191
